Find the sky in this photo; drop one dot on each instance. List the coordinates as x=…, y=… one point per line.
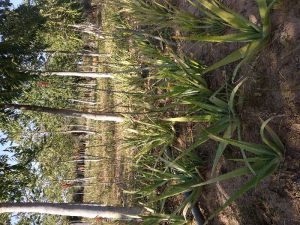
x=16, y=2
x=3, y=147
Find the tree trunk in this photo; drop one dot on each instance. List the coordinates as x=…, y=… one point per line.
x=80, y=223
x=69, y=209
x=66, y=112
x=88, y=28
x=85, y=160
x=79, y=74
x=76, y=132
x=82, y=53
x=83, y=102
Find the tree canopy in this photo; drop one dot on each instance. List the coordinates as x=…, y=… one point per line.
x=20, y=45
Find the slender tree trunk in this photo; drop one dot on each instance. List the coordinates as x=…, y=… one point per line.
x=79, y=179
x=79, y=74
x=88, y=28
x=71, y=74
x=81, y=223
x=91, y=74
x=83, y=102
x=83, y=86
x=69, y=209
x=85, y=160
x=77, y=132
x=89, y=85
x=82, y=53
x=66, y=112
x=86, y=127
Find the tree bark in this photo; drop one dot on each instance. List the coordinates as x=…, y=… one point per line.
x=79, y=74
x=88, y=28
x=70, y=209
x=83, y=102
x=66, y=112
x=82, y=53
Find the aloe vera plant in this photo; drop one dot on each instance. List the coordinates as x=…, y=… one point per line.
x=180, y=78
x=162, y=15
x=215, y=18
x=220, y=117
x=156, y=219
x=148, y=135
x=245, y=31
x=264, y=161
x=173, y=178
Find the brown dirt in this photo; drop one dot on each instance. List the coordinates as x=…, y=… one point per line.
x=272, y=89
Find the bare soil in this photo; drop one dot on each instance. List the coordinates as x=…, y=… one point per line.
x=272, y=90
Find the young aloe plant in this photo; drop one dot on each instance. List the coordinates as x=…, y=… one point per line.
x=157, y=219
x=173, y=178
x=158, y=59
x=179, y=77
x=146, y=136
x=158, y=15
x=264, y=161
x=147, y=13
x=219, y=114
x=255, y=36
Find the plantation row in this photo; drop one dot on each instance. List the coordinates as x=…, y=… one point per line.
x=175, y=92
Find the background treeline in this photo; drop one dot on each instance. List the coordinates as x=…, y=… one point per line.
x=39, y=37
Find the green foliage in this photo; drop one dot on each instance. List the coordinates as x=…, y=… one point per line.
x=14, y=178
x=162, y=15
x=62, y=62
x=169, y=89
x=264, y=161
x=156, y=219
x=19, y=47
x=215, y=18
x=245, y=31
x=219, y=115
x=21, y=44
x=50, y=91
x=5, y=219
x=173, y=178
x=180, y=83
x=27, y=166
x=149, y=135
x=60, y=15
